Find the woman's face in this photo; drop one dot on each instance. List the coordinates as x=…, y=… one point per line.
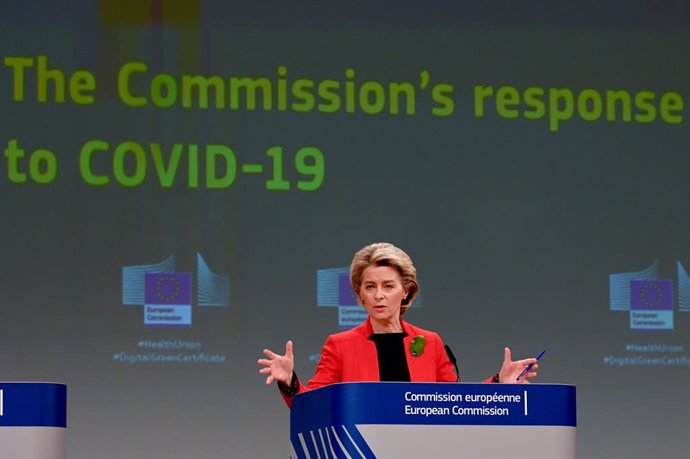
x=382, y=293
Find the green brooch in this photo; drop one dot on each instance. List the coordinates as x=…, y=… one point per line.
x=417, y=346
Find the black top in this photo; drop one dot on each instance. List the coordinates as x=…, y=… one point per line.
x=390, y=351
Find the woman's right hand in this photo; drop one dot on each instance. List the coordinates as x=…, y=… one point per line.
x=278, y=367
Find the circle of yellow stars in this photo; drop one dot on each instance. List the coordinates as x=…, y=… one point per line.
x=651, y=295
x=167, y=281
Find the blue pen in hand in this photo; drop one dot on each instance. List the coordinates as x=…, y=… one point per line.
x=528, y=367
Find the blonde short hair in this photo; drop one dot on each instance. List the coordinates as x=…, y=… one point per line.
x=385, y=254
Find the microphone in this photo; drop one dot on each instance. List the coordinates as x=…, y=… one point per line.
x=453, y=360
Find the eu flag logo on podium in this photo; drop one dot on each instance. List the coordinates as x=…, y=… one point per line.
x=651, y=304
x=168, y=299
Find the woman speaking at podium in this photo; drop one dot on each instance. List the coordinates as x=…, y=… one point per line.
x=384, y=347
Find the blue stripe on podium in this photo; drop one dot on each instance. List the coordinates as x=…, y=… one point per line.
x=33, y=405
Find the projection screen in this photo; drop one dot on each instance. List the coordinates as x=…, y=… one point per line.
x=184, y=184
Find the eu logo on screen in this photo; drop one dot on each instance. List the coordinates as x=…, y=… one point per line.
x=168, y=298
x=651, y=304
x=168, y=295
x=346, y=296
x=168, y=288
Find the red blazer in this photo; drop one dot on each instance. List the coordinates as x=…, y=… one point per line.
x=350, y=356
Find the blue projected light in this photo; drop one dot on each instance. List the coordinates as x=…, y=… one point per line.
x=212, y=289
x=683, y=288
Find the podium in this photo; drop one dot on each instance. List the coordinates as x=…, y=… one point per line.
x=33, y=420
x=434, y=420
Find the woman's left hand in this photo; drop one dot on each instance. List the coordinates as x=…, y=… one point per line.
x=511, y=370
